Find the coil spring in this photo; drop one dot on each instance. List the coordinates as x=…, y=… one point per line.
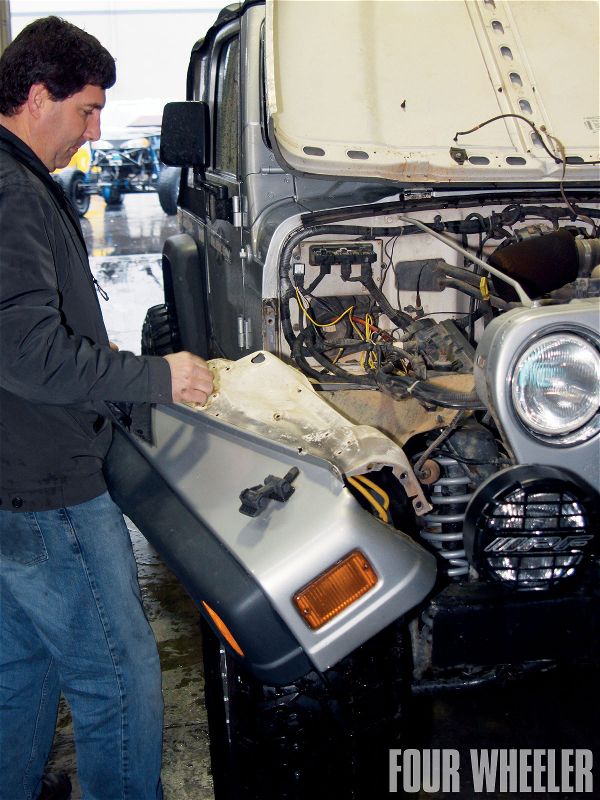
x=443, y=526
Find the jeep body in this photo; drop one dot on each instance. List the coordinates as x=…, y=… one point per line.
x=388, y=255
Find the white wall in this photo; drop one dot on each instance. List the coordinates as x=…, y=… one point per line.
x=150, y=39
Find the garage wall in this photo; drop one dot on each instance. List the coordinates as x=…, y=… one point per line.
x=150, y=39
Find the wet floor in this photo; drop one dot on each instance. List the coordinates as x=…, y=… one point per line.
x=549, y=712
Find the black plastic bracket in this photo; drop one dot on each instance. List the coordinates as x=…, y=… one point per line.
x=255, y=499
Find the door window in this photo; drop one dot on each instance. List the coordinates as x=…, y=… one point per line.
x=227, y=109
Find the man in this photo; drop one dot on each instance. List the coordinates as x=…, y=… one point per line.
x=71, y=618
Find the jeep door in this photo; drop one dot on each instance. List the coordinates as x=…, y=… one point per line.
x=217, y=192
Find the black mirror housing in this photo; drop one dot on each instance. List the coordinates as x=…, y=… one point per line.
x=184, y=140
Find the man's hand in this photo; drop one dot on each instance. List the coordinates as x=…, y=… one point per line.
x=191, y=380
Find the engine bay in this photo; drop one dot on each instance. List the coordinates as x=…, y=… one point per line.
x=397, y=304
x=390, y=307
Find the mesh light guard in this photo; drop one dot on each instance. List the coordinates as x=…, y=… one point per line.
x=531, y=527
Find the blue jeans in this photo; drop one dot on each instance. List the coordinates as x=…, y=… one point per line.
x=71, y=619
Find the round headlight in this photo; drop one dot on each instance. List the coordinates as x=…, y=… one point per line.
x=556, y=384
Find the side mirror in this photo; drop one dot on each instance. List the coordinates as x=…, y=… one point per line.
x=184, y=139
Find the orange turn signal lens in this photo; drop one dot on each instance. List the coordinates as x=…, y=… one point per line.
x=223, y=629
x=336, y=589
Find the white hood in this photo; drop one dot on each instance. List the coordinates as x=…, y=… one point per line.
x=379, y=88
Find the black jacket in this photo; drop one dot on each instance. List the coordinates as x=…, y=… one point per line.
x=56, y=368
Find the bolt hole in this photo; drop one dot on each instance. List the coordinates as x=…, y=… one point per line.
x=358, y=155
x=313, y=151
x=536, y=139
x=525, y=106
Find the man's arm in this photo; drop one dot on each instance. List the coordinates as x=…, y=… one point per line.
x=191, y=380
x=40, y=359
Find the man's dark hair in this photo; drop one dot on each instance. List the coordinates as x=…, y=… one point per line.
x=56, y=54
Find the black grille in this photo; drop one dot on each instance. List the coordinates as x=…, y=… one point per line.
x=530, y=527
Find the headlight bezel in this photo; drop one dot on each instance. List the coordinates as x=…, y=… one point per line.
x=583, y=432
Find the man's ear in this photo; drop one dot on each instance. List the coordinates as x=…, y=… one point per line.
x=37, y=98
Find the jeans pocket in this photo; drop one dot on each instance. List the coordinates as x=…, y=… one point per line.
x=21, y=538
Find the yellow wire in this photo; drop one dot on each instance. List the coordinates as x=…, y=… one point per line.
x=377, y=506
x=381, y=492
x=320, y=324
x=366, y=337
x=369, y=338
x=358, y=331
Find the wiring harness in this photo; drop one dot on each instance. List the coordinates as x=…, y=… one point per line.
x=341, y=341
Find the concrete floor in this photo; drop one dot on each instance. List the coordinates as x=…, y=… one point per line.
x=547, y=712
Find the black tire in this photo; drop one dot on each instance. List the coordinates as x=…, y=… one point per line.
x=73, y=183
x=160, y=335
x=112, y=196
x=168, y=188
x=325, y=736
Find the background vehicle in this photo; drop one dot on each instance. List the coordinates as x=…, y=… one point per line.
x=75, y=179
x=395, y=484
x=128, y=161
x=125, y=162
